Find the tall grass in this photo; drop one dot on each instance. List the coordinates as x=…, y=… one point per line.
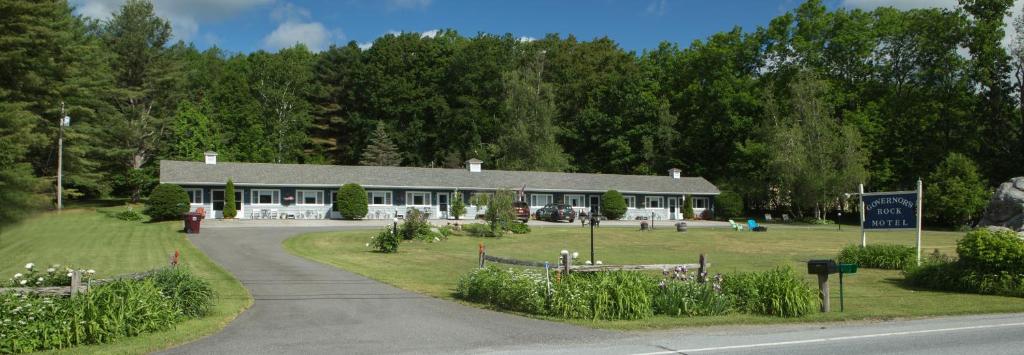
x=878, y=256
x=691, y=298
x=188, y=293
x=779, y=292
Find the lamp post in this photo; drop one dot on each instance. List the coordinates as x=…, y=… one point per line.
x=592, y=260
x=394, y=226
x=64, y=121
x=839, y=221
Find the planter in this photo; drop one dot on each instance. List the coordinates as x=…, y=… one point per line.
x=681, y=227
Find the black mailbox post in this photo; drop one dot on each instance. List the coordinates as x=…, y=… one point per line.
x=822, y=268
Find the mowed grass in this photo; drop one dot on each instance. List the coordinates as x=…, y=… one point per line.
x=93, y=239
x=434, y=268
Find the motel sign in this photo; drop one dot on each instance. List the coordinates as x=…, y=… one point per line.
x=890, y=210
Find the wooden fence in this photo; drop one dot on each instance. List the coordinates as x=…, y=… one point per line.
x=77, y=287
x=566, y=266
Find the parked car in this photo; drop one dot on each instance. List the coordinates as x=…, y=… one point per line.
x=556, y=212
x=522, y=210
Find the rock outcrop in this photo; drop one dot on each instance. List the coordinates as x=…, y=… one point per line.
x=1006, y=209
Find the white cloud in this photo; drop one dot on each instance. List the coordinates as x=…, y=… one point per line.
x=657, y=7
x=526, y=39
x=185, y=15
x=365, y=45
x=407, y=4
x=296, y=26
x=429, y=34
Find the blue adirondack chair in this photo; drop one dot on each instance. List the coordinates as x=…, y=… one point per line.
x=753, y=226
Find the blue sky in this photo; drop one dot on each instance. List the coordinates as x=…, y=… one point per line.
x=249, y=25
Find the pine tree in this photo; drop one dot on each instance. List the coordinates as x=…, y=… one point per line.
x=381, y=151
x=229, y=200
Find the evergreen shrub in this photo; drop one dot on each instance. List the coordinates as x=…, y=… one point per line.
x=728, y=204
x=229, y=200
x=167, y=202
x=352, y=201
x=613, y=205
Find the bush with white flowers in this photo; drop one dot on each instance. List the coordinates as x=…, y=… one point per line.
x=54, y=275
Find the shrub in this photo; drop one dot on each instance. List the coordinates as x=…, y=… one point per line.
x=500, y=212
x=167, y=202
x=128, y=215
x=691, y=298
x=517, y=227
x=728, y=204
x=613, y=204
x=415, y=225
x=511, y=289
x=458, y=206
x=603, y=295
x=192, y=295
x=780, y=292
x=55, y=275
x=352, y=201
x=956, y=192
x=688, y=207
x=229, y=200
x=879, y=256
x=478, y=230
x=991, y=252
x=385, y=242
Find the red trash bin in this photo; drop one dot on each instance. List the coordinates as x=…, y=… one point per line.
x=192, y=222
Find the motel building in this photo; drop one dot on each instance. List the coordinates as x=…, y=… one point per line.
x=305, y=191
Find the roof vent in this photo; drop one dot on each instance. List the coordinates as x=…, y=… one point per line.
x=211, y=158
x=474, y=165
x=674, y=173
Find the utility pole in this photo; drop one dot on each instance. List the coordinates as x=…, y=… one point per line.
x=63, y=121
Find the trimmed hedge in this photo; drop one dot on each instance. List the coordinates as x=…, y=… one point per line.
x=229, y=201
x=613, y=205
x=352, y=201
x=167, y=202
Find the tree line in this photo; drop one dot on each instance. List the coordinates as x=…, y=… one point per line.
x=789, y=115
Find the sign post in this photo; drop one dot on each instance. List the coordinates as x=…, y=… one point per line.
x=863, y=234
x=920, y=194
x=892, y=210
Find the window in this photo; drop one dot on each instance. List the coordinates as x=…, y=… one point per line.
x=541, y=199
x=700, y=202
x=334, y=201
x=195, y=196
x=655, y=202
x=310, y=197
x=630, y=201
x=266, y=197
x=574, y=200
x=417, y=198
x=379, y=198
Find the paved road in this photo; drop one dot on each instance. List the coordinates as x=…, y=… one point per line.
x=306, y=307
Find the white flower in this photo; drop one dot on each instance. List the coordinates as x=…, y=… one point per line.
x=587, y=262
x=30, y=266
x=39, y=279
x=599, y=262
x=90, y=271
x=367, y=244
x=51, y=270
x=565, y=252
x=17, y=276
x=70, y=273
x=575, y=255
x=23, y=282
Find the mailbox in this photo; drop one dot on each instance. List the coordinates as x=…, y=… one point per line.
x=847, y=268
x=822, y=267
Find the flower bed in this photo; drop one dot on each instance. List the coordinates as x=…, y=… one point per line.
x=622, y=295
x=115, y=309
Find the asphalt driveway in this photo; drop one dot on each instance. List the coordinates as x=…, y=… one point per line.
x=306, y=307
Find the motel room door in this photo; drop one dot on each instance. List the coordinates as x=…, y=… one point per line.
x=218, y=203
x=595, y=205
x=442, y=204
x=672, y=207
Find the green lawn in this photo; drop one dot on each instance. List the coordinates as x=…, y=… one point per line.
x=92, y=239
x=434, y=268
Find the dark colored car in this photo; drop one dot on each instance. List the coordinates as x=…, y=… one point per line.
x=556, y=212
x=522, y=210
